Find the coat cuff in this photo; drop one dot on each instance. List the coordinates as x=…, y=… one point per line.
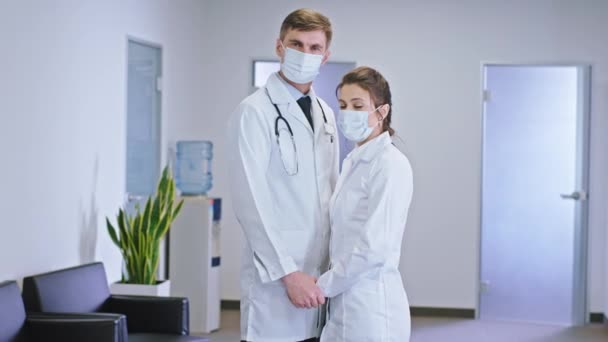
x=269, y=273
x=323, y=284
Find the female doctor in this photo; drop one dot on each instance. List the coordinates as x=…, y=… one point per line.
x=369, y=208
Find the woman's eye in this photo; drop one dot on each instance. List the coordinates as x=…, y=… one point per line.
x=358, y=107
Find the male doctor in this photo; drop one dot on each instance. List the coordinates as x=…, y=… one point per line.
x=284, y=166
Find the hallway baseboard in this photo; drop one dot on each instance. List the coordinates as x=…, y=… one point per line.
x=228, y=304
x=597, y=317
x=414, y=310
x=442, y=312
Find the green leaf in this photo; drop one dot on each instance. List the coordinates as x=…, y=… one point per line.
x=147, y=267
x=178, y=208
x=163, y=226
x=156, y=211
x=147, y=216
x=122, y=229
x=112, y=233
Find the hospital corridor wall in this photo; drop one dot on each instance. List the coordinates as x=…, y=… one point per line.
x=63, y=116
x=432, y=55
x=63, y=128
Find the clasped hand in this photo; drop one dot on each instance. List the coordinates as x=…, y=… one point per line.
x=303, y=291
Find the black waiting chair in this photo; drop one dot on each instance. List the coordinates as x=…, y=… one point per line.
x=16, y=327
x=84, y=289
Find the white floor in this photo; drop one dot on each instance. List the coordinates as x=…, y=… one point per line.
x=426, y=329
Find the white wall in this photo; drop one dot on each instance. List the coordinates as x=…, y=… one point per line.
x=62, y=130
x=431, y=53
x=62, y=111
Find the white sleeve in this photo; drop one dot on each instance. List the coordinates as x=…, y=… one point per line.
x=253, y=203
x=389, y=191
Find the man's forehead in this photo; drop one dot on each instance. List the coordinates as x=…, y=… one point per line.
x=310, y=37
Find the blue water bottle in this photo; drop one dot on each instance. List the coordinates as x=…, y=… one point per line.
x=193, y=167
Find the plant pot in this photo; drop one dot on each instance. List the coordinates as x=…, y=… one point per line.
x=161, y=289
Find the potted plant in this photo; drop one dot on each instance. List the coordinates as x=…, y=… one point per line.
x=138, y=237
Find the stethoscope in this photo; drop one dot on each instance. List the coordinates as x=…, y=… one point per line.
x=329, y=130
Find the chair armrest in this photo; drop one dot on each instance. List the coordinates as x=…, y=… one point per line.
x=168, y=315
x=76, y=327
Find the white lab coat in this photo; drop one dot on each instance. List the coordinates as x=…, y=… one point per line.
x=285, y=218
x=368, y=215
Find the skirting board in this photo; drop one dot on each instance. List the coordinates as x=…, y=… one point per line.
x=442, y=312
x=231, y=304
x=596, y=317
x=415, y=311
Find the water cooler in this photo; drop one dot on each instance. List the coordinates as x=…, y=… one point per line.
x=194, y=238
x=194, y=260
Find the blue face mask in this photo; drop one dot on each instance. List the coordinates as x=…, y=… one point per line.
x=353, y=124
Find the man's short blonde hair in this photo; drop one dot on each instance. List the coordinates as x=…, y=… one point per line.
x=307, y=20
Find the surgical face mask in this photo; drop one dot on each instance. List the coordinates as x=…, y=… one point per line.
x=300, y=67
x=353, y=124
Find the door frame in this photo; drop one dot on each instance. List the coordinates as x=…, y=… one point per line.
x=580, y=307
x=163, y=269
x=161, y=156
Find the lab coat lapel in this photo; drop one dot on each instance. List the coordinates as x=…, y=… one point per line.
x=365, y=153
x=347, y=167
x=372, y=148
x=287, y=104
x=317, y=115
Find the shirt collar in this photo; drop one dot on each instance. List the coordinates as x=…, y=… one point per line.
x=292, y=90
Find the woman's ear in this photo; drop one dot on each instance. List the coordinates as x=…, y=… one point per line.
x=384, y=109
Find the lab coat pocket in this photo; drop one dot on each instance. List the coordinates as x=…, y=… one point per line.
x=368, y=284
x=269, y=301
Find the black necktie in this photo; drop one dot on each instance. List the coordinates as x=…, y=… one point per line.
x=304, y=103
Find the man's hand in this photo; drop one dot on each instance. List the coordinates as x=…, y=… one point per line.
x=303, y=291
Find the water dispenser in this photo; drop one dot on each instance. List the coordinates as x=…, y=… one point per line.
x=193, y=167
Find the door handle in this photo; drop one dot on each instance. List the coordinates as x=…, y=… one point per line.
x=577, y=196
x=132, y=197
